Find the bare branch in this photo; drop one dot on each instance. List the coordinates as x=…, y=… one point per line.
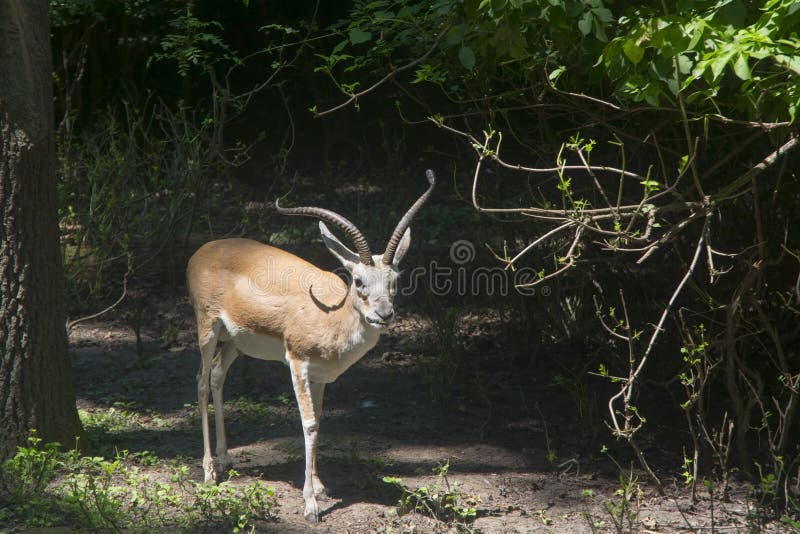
x=72, y=324
x=540, y=239
x=659, y=327
x=732, y=190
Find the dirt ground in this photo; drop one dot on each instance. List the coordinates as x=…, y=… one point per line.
x=521, y=456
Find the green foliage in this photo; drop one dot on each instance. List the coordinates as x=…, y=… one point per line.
x=230, y=505
x=732, y=58
x=624, y=511
x=117, y=495
x=692, y=52
x=27, y=473
x=23, y=480
x=195, y=43
x=442, y=502
x=90, y=493
x=482, y=45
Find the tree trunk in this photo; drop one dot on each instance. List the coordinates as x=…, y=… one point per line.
x=35, y=376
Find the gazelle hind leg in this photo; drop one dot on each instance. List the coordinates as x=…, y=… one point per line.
x=207, y=347
x=219, y=370
x=317, y=393
x=302, y=390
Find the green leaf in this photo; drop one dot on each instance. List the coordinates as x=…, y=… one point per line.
x=685, y=64
x=358, y=36
x=633, y=51
x=585, y=23
x=603, y=14
x=600, y=31
x=792, y=62
x=467, y=57
x=650, y=185
x=741, y=68
x=719, y=61
x=682, y=164
x=670, y=40
x=556, y=73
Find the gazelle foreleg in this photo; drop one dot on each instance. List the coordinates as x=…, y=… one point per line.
x=305, y=402
x=219, y=370
x=317, y=392
x=207, y=348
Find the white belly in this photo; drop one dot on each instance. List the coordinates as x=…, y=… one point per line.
x=260, y=346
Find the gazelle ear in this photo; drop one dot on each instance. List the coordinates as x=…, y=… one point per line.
x=402, y=247
x=347, y=257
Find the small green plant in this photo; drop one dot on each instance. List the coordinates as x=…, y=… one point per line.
x=90, y=494
x=230, y=505
x=117, y=418
x=542, y=515
x=23, y=480
x=28, y=472
x=625, y=510
x=774, y=500
x=442, y=502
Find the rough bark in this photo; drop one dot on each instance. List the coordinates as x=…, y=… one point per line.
x=35, y=375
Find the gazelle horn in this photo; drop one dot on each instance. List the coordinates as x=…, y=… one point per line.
x=391, y=247
x=338, y=221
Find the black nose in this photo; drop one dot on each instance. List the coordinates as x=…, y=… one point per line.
x=386, y=315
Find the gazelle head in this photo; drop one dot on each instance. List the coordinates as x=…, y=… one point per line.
x=373, y=278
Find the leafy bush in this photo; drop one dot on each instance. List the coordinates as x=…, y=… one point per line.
x=130, y=189
x=46, y=488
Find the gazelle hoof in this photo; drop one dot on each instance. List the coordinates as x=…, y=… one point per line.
x=312, y=510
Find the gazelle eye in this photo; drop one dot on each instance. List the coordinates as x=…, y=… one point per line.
x=358, y=282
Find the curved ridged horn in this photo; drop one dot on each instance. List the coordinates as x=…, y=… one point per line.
x=397, y=235
x=338, y=221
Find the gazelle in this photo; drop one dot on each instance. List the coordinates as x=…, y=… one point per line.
x=254, y=299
